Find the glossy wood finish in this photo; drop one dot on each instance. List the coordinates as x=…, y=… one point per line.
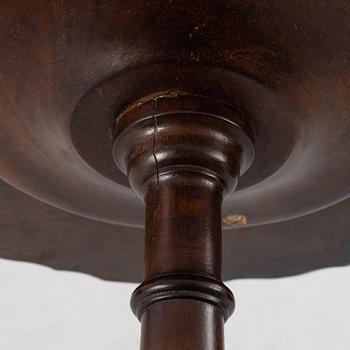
x=68, y=68
x=182, y=169
x=273, y=75
x=183, y=226
x=182, y=325
x=183, y=266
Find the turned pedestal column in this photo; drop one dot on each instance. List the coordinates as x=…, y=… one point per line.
x=189, y=99
x=182, y=160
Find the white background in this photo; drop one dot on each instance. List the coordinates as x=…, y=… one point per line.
x=44, y=309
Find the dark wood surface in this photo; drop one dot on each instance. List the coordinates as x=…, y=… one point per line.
x=32, y=231
x=68, y=68
x=182, y=164
x=182, y=303
x=184, y=325
x=189, y=99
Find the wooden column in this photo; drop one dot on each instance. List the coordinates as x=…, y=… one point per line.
x=181, y=162
x=185, y=307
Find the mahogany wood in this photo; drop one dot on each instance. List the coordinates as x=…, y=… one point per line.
x=32, y=231
x=271, y=74
x=182, y=325
x=69, y=67
x=182, y=304
x=182, y=169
